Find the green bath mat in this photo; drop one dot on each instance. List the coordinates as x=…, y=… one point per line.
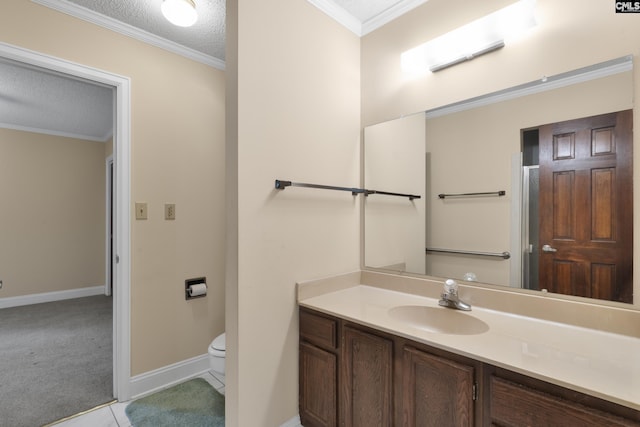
x=191, y=404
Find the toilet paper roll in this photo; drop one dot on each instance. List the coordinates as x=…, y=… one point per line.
x=198, y=290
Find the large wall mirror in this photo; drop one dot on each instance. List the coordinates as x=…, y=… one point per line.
x=529, y=188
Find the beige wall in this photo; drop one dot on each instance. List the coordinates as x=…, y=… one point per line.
x=52, y=220
x=298, y=106
x=177, y=150
x=570, y=34
x=394, y=227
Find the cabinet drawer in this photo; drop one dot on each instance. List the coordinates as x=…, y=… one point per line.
x=516, y=405
x=318, y=330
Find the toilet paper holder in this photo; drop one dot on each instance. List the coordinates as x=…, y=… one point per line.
x=196, y=291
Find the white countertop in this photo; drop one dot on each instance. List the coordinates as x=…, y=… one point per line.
x=601, y=364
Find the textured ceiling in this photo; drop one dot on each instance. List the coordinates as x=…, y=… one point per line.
x=32, y=99
x=205, y=36
x=40, y=101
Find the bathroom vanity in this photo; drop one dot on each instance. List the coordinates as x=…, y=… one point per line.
x=373, y=356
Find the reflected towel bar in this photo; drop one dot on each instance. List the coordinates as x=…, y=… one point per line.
x=281, y=185
x=386, y=193
x=503, y=255
x=491, y=193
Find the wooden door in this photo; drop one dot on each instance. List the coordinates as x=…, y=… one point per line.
x=436, y=391
x=367, y=369
x=586, y=207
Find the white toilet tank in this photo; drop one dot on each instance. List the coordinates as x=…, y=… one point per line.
x=217, y=356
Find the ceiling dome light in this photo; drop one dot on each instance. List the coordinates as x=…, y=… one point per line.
x=180, y=12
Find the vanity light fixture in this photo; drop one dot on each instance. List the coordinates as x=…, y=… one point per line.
x=471, y=40
x=180, y=12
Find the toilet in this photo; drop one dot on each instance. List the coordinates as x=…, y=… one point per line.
x=216, y=357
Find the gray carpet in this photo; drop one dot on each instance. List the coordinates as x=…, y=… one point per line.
x=190, y=404
x=55, y=360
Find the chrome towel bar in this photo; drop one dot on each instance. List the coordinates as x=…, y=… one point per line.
x=490, y=193
x=281, y=185
x=503, y=255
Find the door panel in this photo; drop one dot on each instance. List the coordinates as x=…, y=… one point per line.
x=436, y=391
x=564, y=214
x=318, y=387
x=586, y=207
x=367, y=380
x=603, y=183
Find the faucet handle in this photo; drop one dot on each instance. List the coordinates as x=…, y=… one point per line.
x=451, y=286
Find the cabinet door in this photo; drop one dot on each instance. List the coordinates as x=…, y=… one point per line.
x=436, y=391
x=366, y=379
x=318, y=387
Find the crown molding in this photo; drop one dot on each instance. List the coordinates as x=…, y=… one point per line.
x=85, y=14
x=363, y=28
x=389, y=15
x=339, y=14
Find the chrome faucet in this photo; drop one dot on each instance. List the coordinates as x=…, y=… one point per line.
x=450, y=297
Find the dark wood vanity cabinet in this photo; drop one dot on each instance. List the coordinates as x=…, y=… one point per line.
x=351, y=375
x=382, y=380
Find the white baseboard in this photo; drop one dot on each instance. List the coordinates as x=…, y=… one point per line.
x=51, y=296
x=293, y=422
x=167, y=376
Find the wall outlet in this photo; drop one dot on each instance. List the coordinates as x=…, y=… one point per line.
x=169, y=211
x=141, y=210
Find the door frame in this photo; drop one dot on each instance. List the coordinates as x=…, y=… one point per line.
x=109, y=261
x=122, y=198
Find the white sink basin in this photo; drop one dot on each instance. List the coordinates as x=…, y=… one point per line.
x=439, y=320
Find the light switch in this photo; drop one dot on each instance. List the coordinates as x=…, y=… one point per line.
x=141, y=210
x=169, y=211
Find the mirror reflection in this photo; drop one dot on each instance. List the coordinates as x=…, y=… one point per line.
x=529, y=188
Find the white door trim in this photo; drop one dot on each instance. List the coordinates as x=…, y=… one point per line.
x=122, y=220
x=109, y=256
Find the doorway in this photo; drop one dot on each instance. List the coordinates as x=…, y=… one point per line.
x=121, y=198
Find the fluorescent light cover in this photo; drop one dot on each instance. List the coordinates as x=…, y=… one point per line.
x=480, y=36
x=180, y=12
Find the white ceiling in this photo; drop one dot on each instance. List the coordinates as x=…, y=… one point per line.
x=40, y=101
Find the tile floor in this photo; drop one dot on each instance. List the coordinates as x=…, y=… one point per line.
x=114, y=415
